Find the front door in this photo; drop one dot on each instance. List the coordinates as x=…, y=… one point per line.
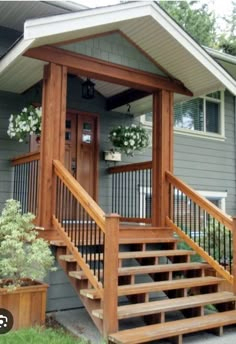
x=81, y=149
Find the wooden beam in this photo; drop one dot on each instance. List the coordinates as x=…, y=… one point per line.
x=106, y=71
x=125, y=97
x=162, y=155
x=52, y=137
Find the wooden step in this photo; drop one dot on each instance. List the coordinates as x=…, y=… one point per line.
x=146, y=240
x=144, y=288
x=141, y=240
x=154, y=307
x=146, y=334
x=67, y=258
x=57, y=243
x=134, y=254
x=157, y=253
x=149, y=269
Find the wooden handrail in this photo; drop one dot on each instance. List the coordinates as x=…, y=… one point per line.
x=24, y=158
x=91, y=207
x=209, y=207
x=130, y=167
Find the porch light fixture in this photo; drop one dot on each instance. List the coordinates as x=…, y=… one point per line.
x=88, y=89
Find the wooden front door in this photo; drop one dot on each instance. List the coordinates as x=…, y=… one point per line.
x=81, y=150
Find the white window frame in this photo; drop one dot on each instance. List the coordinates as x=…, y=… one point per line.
x=210, y=195
x=199, y=133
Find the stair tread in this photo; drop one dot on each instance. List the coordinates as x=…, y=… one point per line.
x=67, y=258
x=134, y=254
x=167, y=305
x=148, y=269
x=147, y=240
x=146, y=334
x=156, y=253
x=58, y=243
x=142, y=288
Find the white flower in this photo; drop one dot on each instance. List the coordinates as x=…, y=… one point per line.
x=126, y=143
x=132, y=142
x=24, y=110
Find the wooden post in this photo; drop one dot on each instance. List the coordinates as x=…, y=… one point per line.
x=110, y=300
x=162, y=155
x=234, y=254
x=52, y=137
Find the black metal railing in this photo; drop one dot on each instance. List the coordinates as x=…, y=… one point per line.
x=202, y=227
x=25, y=186
x=131, y=191
x=81, y=228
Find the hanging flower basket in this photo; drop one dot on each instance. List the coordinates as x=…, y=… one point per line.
x=25, y=123
x=128, y=139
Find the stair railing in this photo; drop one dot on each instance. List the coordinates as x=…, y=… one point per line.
x=26, y=180
x=131, y=187
x=203, y=226
x=92, y=238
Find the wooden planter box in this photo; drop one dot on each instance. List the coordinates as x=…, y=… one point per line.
x=27, y=304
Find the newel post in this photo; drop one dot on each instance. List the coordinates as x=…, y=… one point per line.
x=111, y=251
x=234, y=253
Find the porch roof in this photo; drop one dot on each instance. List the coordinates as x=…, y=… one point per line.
x=145, y=23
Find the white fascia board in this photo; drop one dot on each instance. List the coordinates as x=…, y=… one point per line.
x=193, y=47
x=16, y=51
x=66, y=23
x=221, y=56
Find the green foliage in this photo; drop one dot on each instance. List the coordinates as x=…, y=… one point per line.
x=40, y=336
x=195, y=18
x=22, y=254
x=227, y=41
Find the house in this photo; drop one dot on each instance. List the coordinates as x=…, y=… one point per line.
x=135, y=54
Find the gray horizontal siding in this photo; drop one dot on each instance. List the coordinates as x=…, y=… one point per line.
x=61, y=294
x=209, y=164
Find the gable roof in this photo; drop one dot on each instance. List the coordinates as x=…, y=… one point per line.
x=145, y=23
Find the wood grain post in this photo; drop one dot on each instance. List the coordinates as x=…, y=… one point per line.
x=234, y=254
x=162, y=155
x=52, y=137
x=110, y=301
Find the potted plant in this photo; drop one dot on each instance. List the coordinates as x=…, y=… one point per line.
x=24, y=259
x=128, y=139
x=25, y=123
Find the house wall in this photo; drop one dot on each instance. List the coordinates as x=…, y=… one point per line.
x=116, y=49
x=209, y=164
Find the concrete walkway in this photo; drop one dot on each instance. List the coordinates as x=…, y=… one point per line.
x=79, y=323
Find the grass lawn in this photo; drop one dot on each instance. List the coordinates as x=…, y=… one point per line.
x=39, y=336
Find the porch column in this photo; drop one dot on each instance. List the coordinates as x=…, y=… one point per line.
x=52, y=136
x=162, y=154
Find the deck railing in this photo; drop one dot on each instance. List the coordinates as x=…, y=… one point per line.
x=131, y=191
x=91, y=236
x=202, y=225
x=26, y=180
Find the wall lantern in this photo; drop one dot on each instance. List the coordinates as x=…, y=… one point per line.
x=88, y=89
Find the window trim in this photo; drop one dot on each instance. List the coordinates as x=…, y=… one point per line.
x=209, y=195
x=198, y=133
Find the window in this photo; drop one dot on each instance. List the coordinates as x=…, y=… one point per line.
x=202, y=115
x=199, y=116
x=216, y=197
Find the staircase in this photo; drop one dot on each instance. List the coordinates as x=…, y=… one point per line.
x=136, y=282
x=162, y=291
